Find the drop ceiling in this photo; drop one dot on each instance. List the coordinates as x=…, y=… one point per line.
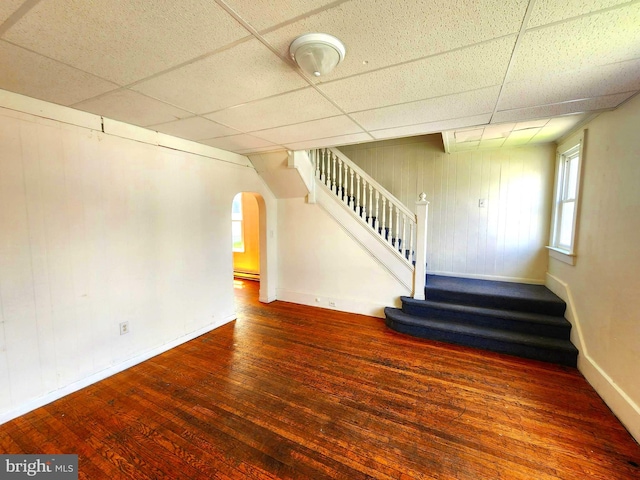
x=218, y=72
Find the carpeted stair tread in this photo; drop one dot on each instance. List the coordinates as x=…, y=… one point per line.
x=492, y=294
x=515, y=315
x=492, y=287
x=503, y=335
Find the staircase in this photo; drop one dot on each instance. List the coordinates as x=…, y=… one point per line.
x=517, y=319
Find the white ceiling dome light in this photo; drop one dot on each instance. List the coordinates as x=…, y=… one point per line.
x=317, y=54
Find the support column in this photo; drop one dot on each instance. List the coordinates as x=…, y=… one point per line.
x=420, y=269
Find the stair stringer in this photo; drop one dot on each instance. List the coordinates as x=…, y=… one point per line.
x=363, y=234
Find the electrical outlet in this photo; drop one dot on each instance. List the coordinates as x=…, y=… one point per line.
x=332, y=303
x=482, y=203
x=124, y=328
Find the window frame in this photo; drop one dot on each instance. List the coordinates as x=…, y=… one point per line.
x=566, y=152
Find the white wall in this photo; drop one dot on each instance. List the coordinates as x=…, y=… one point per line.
x=96, y=230
x=604, y=283
x=503, y=241
x=319, y=260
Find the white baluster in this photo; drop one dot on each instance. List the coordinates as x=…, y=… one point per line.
x=351, y=191
x=390, y=228
x=316, y=159
x=345, y=192
x=403, y=243
x=357, y=202
x=333, y=176
x=327, y=168
x=339, y=190
x=364, y=200
x=411, y=239
x=371, y=205
x=384, y=214
x=377, y=222
x=398, y=247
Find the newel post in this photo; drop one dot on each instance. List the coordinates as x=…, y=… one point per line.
x=420, y=270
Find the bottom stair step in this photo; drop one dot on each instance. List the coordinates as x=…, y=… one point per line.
x=502, y=341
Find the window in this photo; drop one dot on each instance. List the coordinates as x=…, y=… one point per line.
x=237, y=230
x=565, y=212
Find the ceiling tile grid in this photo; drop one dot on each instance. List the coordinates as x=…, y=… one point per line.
x=447, y=107
x=462, y=70
x=28, y=73
x=132, y=107
x=7, y=8
x=219, y=72
x=244, y=73
x=124, y=40
x=380, y=33
x=285, y=109
x=194, y=128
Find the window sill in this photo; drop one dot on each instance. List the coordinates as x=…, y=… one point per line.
x=563, y=255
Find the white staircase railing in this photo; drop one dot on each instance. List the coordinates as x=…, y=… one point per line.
x=377, y=207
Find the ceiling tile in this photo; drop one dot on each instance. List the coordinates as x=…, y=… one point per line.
x=501, y=131
x=7, y=7
x=540, y=89
x=459, y=71
x=246, y=72
x=242, y=142
x=491, y=143
x=330, y=141
x=558, y=126
x=92, y=36
x=549, y=11
x=286, y=109
x=263, y=14
x=39, y=77
x=194, y=128
x=441, y=108
x=531, y=124
x=578, y=106
x=519, y=137
x=258, y=150
x=432, y=127
x=132, y=107
x=316, y=129
x=383, y=33
x=599, y=39
x=473, y=135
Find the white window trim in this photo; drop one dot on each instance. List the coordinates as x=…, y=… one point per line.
x=559, y=253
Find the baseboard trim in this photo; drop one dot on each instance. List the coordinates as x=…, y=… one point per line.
x=108, y=372
x=339, y=304
x=623, y=407
x=495, y=278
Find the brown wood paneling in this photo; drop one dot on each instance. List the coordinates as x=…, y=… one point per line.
x=288, y=391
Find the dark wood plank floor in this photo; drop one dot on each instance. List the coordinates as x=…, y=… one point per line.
x=288, y=391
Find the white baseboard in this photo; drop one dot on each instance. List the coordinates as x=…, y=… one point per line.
x=495, y=278
x=339, y=304
x=108, y=372
x=627, y=411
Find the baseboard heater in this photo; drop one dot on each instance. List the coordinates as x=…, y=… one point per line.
x=246, y=275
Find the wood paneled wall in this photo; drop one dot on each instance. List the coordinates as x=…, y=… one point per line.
x=503, y=240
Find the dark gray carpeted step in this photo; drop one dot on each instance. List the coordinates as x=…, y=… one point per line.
x=490, y=294
x=514, y=343
x=511, y=320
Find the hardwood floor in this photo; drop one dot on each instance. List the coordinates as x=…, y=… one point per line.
x=288, y=391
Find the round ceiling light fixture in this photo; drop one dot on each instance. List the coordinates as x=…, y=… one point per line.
x=317, y=54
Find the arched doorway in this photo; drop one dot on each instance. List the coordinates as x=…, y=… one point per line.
x=249, y=241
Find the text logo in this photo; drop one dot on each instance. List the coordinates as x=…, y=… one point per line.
x=50, y=467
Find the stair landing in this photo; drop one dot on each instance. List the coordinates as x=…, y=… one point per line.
x=513, y=318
